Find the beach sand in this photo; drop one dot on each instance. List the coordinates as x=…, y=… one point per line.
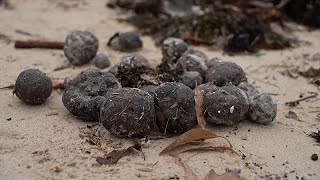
x=44, y=142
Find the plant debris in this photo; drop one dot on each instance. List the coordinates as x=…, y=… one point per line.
x=292, y=115
x=114, y=156
x=56, y=84
x=11, y=86
x=316, y=136
x=190, y=136
x=198, y=99
x=188, y=172
x=234, y=26
x=212, y=175
x=296, y=102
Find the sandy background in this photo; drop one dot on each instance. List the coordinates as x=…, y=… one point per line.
x=43, y=142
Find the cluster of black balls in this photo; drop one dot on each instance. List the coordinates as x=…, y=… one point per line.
x=125, y=111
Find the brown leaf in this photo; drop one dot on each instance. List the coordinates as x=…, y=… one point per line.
x=115, y=155
x=58, y=84
x=188, y=172
x=209, y=148
x=160, y=117
x=212, y=175
x=292, y=115
x=198, y=99
x=190, y=136
x=11, y=86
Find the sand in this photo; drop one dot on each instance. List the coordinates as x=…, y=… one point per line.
x=43, y=142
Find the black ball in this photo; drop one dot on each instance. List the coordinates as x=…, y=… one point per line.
x=224, y=105
x=222, y=73
x=33, y=86
x=175, y=108
x=85, y=94
x=128, y=112
x=80, y=47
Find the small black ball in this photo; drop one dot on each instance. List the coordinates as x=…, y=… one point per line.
x=172, y=49
x=80, y=47
x=101, y=61
x=126, y=42
x=33, y=86
x=222, y=73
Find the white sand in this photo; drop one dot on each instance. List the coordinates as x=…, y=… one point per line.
x=36, y=144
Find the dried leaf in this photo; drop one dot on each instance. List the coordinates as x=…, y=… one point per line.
x=292, y=115
x=190, y=136
x=212, y=175
x=115, y=155
x=58, y=84
x=198, y=99
x=160, y=116
x=11, y=86
x=188, y=172
x=209, y=148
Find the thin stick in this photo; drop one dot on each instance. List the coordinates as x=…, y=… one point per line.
x=38, y=44
x=294, y=103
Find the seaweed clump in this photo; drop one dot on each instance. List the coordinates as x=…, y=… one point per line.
x=234, y=26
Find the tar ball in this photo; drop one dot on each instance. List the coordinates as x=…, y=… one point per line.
x=191, y=79
x=130, y=69
x=262, y=109
x=128, y=41
x=192, y=62
x=250, y=90
x=85, y=94
x=80, y=47
x=223, y=73
x=101, y=61
x=129, y=112
x=128, y=63
x=172, y=49
x=175, y=108
x=213, y=61
x=149, y=88
x=114, y=69
x=33, y=86
x=197, y=53
x=225, y=105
